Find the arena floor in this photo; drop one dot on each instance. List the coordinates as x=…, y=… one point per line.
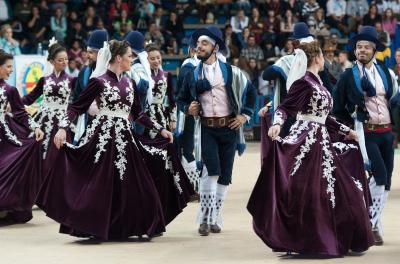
x=39, y=240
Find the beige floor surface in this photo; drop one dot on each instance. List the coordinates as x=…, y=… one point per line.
x=39, y=240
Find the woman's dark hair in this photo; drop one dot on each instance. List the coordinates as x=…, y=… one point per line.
x=118, y=48
x=54, y=50
x=152, y=47
x=4, y=56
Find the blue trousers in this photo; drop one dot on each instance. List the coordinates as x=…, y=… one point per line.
x=186, y=141
x=381, y=153
x=218, y=146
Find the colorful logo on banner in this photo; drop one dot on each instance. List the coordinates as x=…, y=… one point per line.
x=33, y=72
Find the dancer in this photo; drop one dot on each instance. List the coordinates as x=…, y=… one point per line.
x=57, y=90
x=223, y=99
x=185, y=123
x=366, y=97
x=305, y=200
x=20, y=153
x=162, y=109
x=102, y=187
x=94, y=43
x=140, y=72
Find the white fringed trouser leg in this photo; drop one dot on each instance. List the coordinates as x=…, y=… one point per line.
x=192, y=172
x=379, y=224
x=378, y=203
x=207, y=192
x=219, y=203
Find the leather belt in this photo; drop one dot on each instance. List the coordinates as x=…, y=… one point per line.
x=372, y=127
x=215, y=121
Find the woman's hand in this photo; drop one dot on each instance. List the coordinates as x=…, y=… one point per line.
x=263, y=111
x=39, y=134
x=172, y=125
x=274, y=131
x=60, y=138
x=352, y=135
x=166, y=134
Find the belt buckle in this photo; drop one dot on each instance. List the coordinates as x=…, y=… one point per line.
x=210, y=122
x=222, y=122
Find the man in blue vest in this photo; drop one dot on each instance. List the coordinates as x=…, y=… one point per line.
x=365, y=95
x=94, y=44
x=221, y=99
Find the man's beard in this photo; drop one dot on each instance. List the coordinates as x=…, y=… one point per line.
x=92, y=64
x=366, y=59
x=205, y=57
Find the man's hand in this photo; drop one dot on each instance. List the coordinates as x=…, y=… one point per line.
x=237, y=122
x=194, y=108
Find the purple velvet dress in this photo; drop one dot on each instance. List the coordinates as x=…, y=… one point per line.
x=20, y=164
x=305, y=199
x=102, y=187
x=56, y=93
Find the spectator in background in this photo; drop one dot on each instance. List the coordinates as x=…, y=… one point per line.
x=389, y=22
x=36, y=27
x=384, y=55
x=231, y=42
x=145, y=10
x=274, y=5
x=295, y=6
x=244, y=5
x=7, y=42
x=344, y=60
x=159, y=18
x=100, y=24
x=317, y=23
x=44, y=9
x=72, y=68
x=75, y=52
x=309, y=8
x=84, y=57
x=256, y=24
x=203, y=6
x=269, y=51
x=155, y=36
x=239, y=22
x=72, y=19
x=331, y=64
x=89, y=23
x=116, y=9
x=253, y=51
x=252, y=71
x=372, y=16
x=122, y=25
x=58, y=25
x=76, y=33
x=244, y=37
x=22, y=11
x=288, y=48
x=287, y=23
x=382, y=34
x=273, y=21
x=5, y=11
x=335, y=12
x=355, y=11
x=270, y=34
x=174, y=29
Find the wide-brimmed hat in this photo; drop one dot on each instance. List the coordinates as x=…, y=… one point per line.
x=300, y=30
x=97, y=38
x=136, y=41
x=367, y=33
x=211, y=31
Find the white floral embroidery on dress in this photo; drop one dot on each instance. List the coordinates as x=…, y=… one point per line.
x=342, y=147
x=121, y=161
x=304, y=149
x=278, y=118
x=358, y=184
x=295, y=131
x=104, y=138
x=327, y=165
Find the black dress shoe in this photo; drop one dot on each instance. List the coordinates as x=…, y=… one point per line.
x=377, y=237
x=215, y=229
x=204, y=230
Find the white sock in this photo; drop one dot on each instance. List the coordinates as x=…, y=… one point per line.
x=207, y=192
x=219, y=203
x=378, y=203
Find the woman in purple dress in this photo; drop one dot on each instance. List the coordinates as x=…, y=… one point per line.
x=102, y=187
x=19, y=152
x=56, y=89
x=305, y=200
x=161, y=108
